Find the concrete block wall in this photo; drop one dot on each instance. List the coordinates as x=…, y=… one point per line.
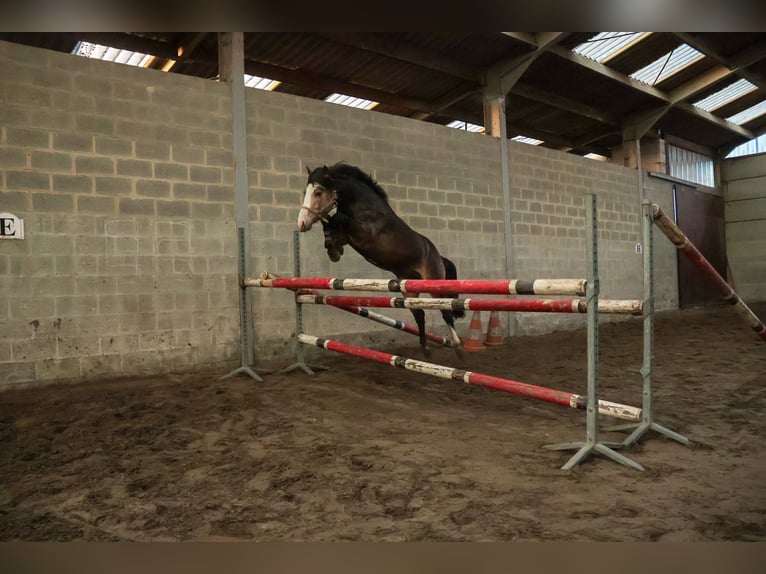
x=744, y=194
x=123, y=179
x=548, y=189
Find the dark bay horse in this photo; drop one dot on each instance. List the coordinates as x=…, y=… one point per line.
x=354, y=210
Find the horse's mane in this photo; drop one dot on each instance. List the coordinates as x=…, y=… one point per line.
x=350, y=171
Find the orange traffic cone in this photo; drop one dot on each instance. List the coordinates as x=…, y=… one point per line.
x=494, y=330
x=473, y=342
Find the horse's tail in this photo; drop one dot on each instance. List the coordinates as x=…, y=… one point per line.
x=451, y=273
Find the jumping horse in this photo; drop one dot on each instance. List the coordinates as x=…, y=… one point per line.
x=354, y=210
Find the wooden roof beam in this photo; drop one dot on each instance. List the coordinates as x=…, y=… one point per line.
x=381, y=46
x=737, y=63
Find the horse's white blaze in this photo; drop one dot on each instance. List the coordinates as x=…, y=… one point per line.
x=305, y=218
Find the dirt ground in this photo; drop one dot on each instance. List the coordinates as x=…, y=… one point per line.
x=364, y=452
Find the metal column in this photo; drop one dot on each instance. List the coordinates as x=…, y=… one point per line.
x=231, y=70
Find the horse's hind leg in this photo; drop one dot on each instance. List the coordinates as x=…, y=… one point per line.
x=449, y=318
x=420, y=319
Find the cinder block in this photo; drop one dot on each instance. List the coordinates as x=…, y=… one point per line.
x=171, y=134
x=173, y=208
x=51, y=202
x=94, y=165
x=153, y=188
x=129, y=206
x=113, y=185
x=183, y=154
x=171, y=171
x=95, y=124
x=220, y=193
x=73, y=142
x=113, y=146
x=205, y=139
x=152, y=150
x=27, y=95
x=209, y=211
x=191, y=191
x=205, y=174
x=13, y=158
x=51, y=161
x=29, y=138
x=97, y=205
x=134, y=167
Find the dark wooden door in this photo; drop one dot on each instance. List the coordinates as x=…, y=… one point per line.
x=701, y=217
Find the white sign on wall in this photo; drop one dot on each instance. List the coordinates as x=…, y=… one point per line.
x=11, y=227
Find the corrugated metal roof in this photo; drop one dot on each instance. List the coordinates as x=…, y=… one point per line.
x=260, y=83
x=750, y=113
x=350, y=101
x=721, y=97
x=606, y=45
x=467, y=126
x=667, y=65
x=109, y=54
x=526, y=140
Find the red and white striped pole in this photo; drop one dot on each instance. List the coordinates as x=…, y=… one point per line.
x=571, y=400
x=431, y=286
x=681, y=241
x=629, y=307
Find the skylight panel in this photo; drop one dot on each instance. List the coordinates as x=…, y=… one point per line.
x=596, y=156
x=260, y=83
x=749, y=114
x=351, y=101
x=667, y=65
x=526, y=140
x=469, y=127
x=606, y=45
x=726, y=95
x=109, y=54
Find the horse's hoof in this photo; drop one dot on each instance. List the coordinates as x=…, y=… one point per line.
x=459, y=353
x=427, y=352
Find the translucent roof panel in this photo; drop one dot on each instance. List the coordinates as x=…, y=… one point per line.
x=726, y=95
x=606, y=45
x=260, y=83
x=350, y=101
x=99, y=52
x=526, y=140
x=667, y=65
x=757, y=145
x=750, y=113
x=457, y=124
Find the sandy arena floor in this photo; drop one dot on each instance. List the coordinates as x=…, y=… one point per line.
x=366, y=452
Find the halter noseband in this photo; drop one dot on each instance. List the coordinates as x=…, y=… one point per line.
x=324, y=214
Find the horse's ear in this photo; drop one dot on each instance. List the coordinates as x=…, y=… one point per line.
x=308, y=169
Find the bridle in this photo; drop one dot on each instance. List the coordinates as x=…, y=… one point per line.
x=328, y=211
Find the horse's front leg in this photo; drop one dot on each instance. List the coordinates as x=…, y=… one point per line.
x=335, y=238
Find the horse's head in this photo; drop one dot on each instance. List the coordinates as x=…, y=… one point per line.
x=319, y=200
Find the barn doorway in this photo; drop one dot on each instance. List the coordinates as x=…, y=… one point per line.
x=701, y=216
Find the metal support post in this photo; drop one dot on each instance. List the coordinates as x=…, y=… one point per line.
x=592, y=444
x=647, y=408
x=301, y=362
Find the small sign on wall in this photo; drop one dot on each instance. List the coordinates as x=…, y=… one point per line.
x=11, y=227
